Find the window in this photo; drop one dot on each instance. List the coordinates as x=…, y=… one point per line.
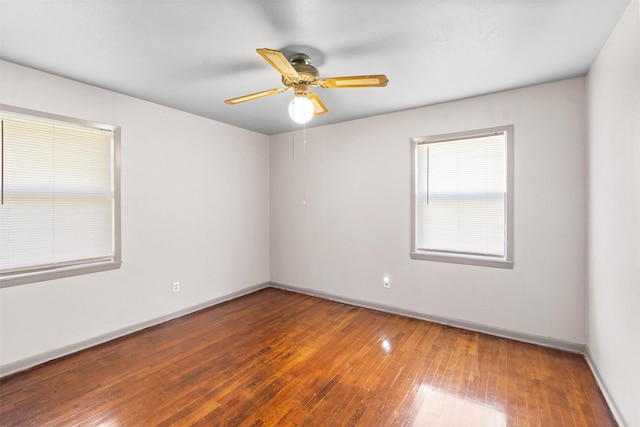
x=462, y=197
x=60, y=201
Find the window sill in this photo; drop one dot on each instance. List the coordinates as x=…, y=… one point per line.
x=462, y=259
x=22, y=278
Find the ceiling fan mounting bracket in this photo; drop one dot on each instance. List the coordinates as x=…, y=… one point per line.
x=299, y=58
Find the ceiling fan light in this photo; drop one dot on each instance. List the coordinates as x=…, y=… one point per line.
x=301, y=109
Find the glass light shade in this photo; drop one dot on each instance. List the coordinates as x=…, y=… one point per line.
x=301, y=109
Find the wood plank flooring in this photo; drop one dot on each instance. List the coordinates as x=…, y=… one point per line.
x=276, y=358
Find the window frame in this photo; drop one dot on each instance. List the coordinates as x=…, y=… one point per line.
x=463, y=258
x=57, y=272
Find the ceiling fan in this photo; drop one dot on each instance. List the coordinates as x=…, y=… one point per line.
x=298, y=74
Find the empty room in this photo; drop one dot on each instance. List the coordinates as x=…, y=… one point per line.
x=320, y=213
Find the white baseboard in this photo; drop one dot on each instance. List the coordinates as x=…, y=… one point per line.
x=38, y=359
x=462, y=324
x=603, y=388
x=47, y=356
x=518, y=336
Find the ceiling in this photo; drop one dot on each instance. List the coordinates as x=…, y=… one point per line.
x=194, y=54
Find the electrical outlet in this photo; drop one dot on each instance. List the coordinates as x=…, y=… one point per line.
x=386, y=282
x=176, y=286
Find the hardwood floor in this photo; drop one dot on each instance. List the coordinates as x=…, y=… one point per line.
x=279, y=358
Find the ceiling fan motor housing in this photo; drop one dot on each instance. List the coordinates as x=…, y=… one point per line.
x=308, y=74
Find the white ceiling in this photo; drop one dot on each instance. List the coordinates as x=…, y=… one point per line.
x=194, y=54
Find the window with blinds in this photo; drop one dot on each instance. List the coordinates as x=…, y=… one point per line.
x=462, y=197
x=59, y=202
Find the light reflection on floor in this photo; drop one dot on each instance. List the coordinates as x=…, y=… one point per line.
x=386, y=345
x=435, y=408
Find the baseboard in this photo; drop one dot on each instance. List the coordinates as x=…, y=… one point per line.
x=462, y=324
x=38, y=359
x=582, y=349
x=603, y=388
x=41, y=358
x=30, y=362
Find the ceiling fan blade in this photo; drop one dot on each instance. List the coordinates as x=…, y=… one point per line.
x=376, y=80
x=279, y=62
x=256, y=95
x=318, y=106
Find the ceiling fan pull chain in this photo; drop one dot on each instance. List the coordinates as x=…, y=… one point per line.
x=293, y=145
x=304, y=164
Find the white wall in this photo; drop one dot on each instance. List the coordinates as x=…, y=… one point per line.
x=195, y=208
x=613, y=85
x=355, y=225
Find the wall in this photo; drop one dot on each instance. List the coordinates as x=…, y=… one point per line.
x=195, y=208
x=355, y=225
x=613, y=85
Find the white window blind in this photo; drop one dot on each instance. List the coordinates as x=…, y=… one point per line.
x=57, y=194
x=461, y=196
